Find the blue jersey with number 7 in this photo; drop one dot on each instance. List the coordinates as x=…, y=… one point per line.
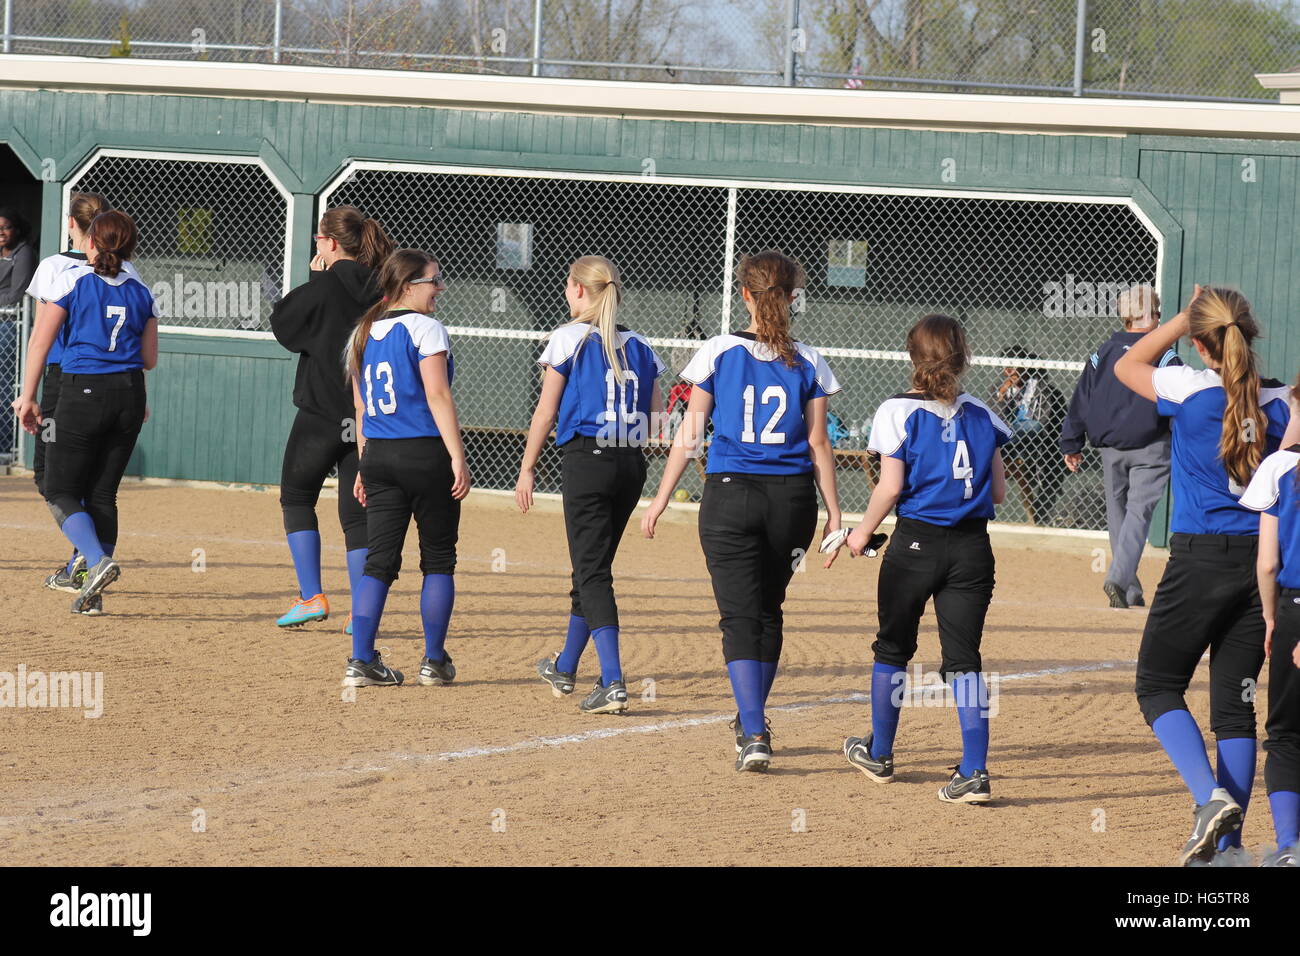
x=392, y=389
x=107, y=316
x=947, y=454
x=758, y=403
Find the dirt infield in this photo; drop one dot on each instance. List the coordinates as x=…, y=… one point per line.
x=224, y=740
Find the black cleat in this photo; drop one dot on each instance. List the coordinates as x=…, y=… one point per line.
x=972, y=789
x=1117, y=599
x=104, y=573
x=561, y=683
x=1213, y=820
x=738, y=729
x=435, y=675
x=857, y=750
x=606, y=700
x=374, y=673
x=93, y=607
x=755, y=753
x=70, y=581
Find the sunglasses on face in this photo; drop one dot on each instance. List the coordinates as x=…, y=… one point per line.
x=437, y=279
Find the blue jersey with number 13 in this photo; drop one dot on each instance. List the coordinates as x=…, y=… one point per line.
x=392, y=389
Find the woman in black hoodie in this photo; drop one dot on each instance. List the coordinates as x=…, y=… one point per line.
x=316, y=320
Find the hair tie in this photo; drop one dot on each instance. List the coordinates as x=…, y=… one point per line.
x=384, y=299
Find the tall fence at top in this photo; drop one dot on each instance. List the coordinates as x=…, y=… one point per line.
x=1179, y=49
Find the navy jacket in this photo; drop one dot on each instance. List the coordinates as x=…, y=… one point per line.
x=1106, y=411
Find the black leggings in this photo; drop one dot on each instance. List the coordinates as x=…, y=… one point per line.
x=405, y=478
x=50, y=386
x=755, y=530
x=602, y=485
x=1207, y=598
x=1282, y=765
x=99, y=419
x=952, y=565
x=314, y=447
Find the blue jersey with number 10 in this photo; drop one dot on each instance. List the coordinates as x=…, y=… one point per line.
x=106, y=320
x=947, y=454
x=392, y=389
x=758, y=403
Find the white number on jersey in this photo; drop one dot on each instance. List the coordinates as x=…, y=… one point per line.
x=616, y=404
x=118, y=312
x=768, y=436
x=961, y=469
x=383, y=372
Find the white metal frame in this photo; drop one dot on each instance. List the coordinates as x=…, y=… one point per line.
x=732, y=185
x=226, y=159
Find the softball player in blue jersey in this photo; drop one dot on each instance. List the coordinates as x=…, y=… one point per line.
x=111, y=338
x=941, y=466
x=602, y=384
x=1275, y=492
x=766, y=395
x=1225, y=420
x=412, y=462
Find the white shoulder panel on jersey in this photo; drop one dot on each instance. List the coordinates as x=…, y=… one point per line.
x=998, y=423
x=1178, y=383
x=628, y=336
x=889, y=427
x=1280, y=393
x=705, y=361
x=562, y=343
x=1265, y=486
x=821, y=371
x=427, y=334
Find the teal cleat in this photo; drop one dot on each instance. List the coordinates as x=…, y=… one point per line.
x=315, y=608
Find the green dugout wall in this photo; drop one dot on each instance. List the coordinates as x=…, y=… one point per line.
x=1057, y=190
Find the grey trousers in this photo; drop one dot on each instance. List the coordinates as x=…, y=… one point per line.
x=1135, y=479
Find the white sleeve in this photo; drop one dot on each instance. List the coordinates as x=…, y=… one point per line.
x=1262, y=492
x=822, y=373
x=38, y=288
x=61, y=284
x=1176, y=383
x=430, y=338
x=559, y=348
x=701, y=365
x=888, y=428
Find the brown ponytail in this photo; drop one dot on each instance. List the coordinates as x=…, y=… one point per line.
x=84, y=207
x=398, y=269
x=940, y=356
x=113, y=235
x=772, y=278
x=1221, y=320
x=361, y=238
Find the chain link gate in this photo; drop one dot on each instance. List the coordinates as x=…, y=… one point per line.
x=214, y=232
x=1031, y=276
x=15, y=326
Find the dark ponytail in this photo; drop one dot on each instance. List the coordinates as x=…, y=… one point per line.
x=772, y=278
x=361, y=238
x=113, y=235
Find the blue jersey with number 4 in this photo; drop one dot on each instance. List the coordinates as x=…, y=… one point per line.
x=106, y=320
x=594, y=403
x=1205, y=498
x=392, y=389
x=758, y=403
x=1274, y=491
x=947, y=454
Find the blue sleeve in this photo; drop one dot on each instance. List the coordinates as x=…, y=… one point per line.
x=707, y=384
x=565, y=368
x=1167, y=408
x=1073, y=430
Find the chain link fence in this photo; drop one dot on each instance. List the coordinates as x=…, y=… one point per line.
x=212, y=233
x=1185, y=49
x=1034, y=281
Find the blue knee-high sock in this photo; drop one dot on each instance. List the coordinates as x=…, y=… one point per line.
x=606, y=641
x=769, y=677
x=304, y=546
x=973, y=714
x=575, y=642
x=79, y=528
x=1285, y=805
x=367, y=608
x=437, y=597
x=1236, y=759
x=886, y=706
x=747, y=687
x=1178, y=734
x=356, y=567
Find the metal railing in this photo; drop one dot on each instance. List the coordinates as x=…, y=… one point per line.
x=1147, y=48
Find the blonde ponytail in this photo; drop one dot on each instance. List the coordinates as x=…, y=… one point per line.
x=599, y=279
x=1221, y=320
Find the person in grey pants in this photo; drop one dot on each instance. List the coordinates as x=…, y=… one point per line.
x=1133, y=441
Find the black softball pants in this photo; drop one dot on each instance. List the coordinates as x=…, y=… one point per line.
x=954, y=566
x=314, y=447
x=601, y=486
x=1207, y=598
x=1282, y=765
x=405, y=478
x=50, y=386
x=755, y=530
x=99, y=420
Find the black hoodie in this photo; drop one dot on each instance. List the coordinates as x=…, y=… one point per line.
x=315, y=320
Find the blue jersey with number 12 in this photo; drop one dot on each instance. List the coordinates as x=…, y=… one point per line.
x=392, y=389
x=947, y=454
